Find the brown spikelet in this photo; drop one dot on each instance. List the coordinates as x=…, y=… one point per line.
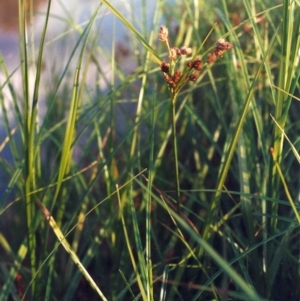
x=163, y=33
x=195, y=64
x=185, y=50
x=169, y=80
x=177, y=76
x=173, y=54
x=222, y=46
x=211, y=58
x=165, y=67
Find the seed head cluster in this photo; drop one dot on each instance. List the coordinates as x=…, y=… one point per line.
x=174, y=76
x=221, y=47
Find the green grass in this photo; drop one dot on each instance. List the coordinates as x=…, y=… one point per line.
x=148, y=190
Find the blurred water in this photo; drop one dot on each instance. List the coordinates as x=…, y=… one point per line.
x=61, y=35
x=61, y=39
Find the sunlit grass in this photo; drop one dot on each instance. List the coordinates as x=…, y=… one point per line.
x=112, y=195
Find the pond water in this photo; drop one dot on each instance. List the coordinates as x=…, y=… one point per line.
x=67, y=19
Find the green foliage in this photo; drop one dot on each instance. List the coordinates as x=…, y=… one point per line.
x=164, y=185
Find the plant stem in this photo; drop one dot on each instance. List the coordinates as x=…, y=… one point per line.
x=174, y=138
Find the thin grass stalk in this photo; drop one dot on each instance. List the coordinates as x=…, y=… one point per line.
x=90, y=254
x=148, y=206
x=28, y=140
x=138, y=115
x=177, y=234
x=294, y=150
x=145, y=265
x=93, y=248
x=163, y=146
x=250, y=293
x=33, y=145
x=287, y=192
x=62, y=239
x=49, y=280
x=95, y=121
x=279, y=253
x=46, y=294
x=133, y=261
x=247, y=210
x=138, y=244
x=69, y=137
x=112, y=103
x=289, y=61
x=133, y=30
x=66, y=155
x=16, y=176
x=8, y=285
x=249, y=250
x=260, y=50
x=84, y=194
x=149, y=54
x=76, y=241
x=268, y=209
x=288, y=75
x=67, y=148
x=5, y=116
x=244, y=176
x=128, y=286
x=243, y=148
x=228, y=157
x=175, y=150
x=163, y=290
x=69, y=275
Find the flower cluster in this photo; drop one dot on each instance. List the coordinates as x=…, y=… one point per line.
x=171, y=77
x=174, y=77
x=221, y=47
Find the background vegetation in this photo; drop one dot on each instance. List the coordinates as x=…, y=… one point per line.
x=89, y=209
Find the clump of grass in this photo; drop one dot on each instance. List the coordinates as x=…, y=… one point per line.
x=102, y=222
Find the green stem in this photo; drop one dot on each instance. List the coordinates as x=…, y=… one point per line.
x=29, y=170
x=174, y=138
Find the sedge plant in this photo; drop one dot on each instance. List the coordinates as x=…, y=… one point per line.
x=175, y=79
x=94, y=183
